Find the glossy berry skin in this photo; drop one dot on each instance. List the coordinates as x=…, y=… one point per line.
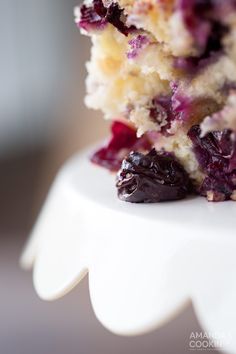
x=152, y=178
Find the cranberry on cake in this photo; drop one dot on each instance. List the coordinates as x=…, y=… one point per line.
x=167, y=68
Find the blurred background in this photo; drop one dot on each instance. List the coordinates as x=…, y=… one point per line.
x=43, y=121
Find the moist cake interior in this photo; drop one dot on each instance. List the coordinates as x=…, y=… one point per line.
x=164, y=71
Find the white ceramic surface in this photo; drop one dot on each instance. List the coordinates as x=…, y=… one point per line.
x=145, y=262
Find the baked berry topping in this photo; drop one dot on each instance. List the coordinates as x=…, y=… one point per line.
x=96, y=16
x=151, y=178
x=123, y=140
x=216, y=154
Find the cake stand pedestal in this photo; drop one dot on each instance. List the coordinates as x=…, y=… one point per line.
x=145, y=262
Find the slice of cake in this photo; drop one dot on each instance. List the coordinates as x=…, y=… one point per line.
x=165, y=72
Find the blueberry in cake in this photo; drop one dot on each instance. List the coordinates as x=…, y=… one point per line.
x=167, y=70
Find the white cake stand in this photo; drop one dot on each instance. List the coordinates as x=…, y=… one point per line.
x=145, y=262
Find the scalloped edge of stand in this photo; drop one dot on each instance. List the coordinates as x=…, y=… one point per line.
x=144, y=261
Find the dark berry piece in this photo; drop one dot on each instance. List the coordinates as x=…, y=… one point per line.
x=215, y=151
x=218, y=188
x=151, y=178
x=96, y=16
x=92, y=17
x=123, y=140
x=216, y=154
